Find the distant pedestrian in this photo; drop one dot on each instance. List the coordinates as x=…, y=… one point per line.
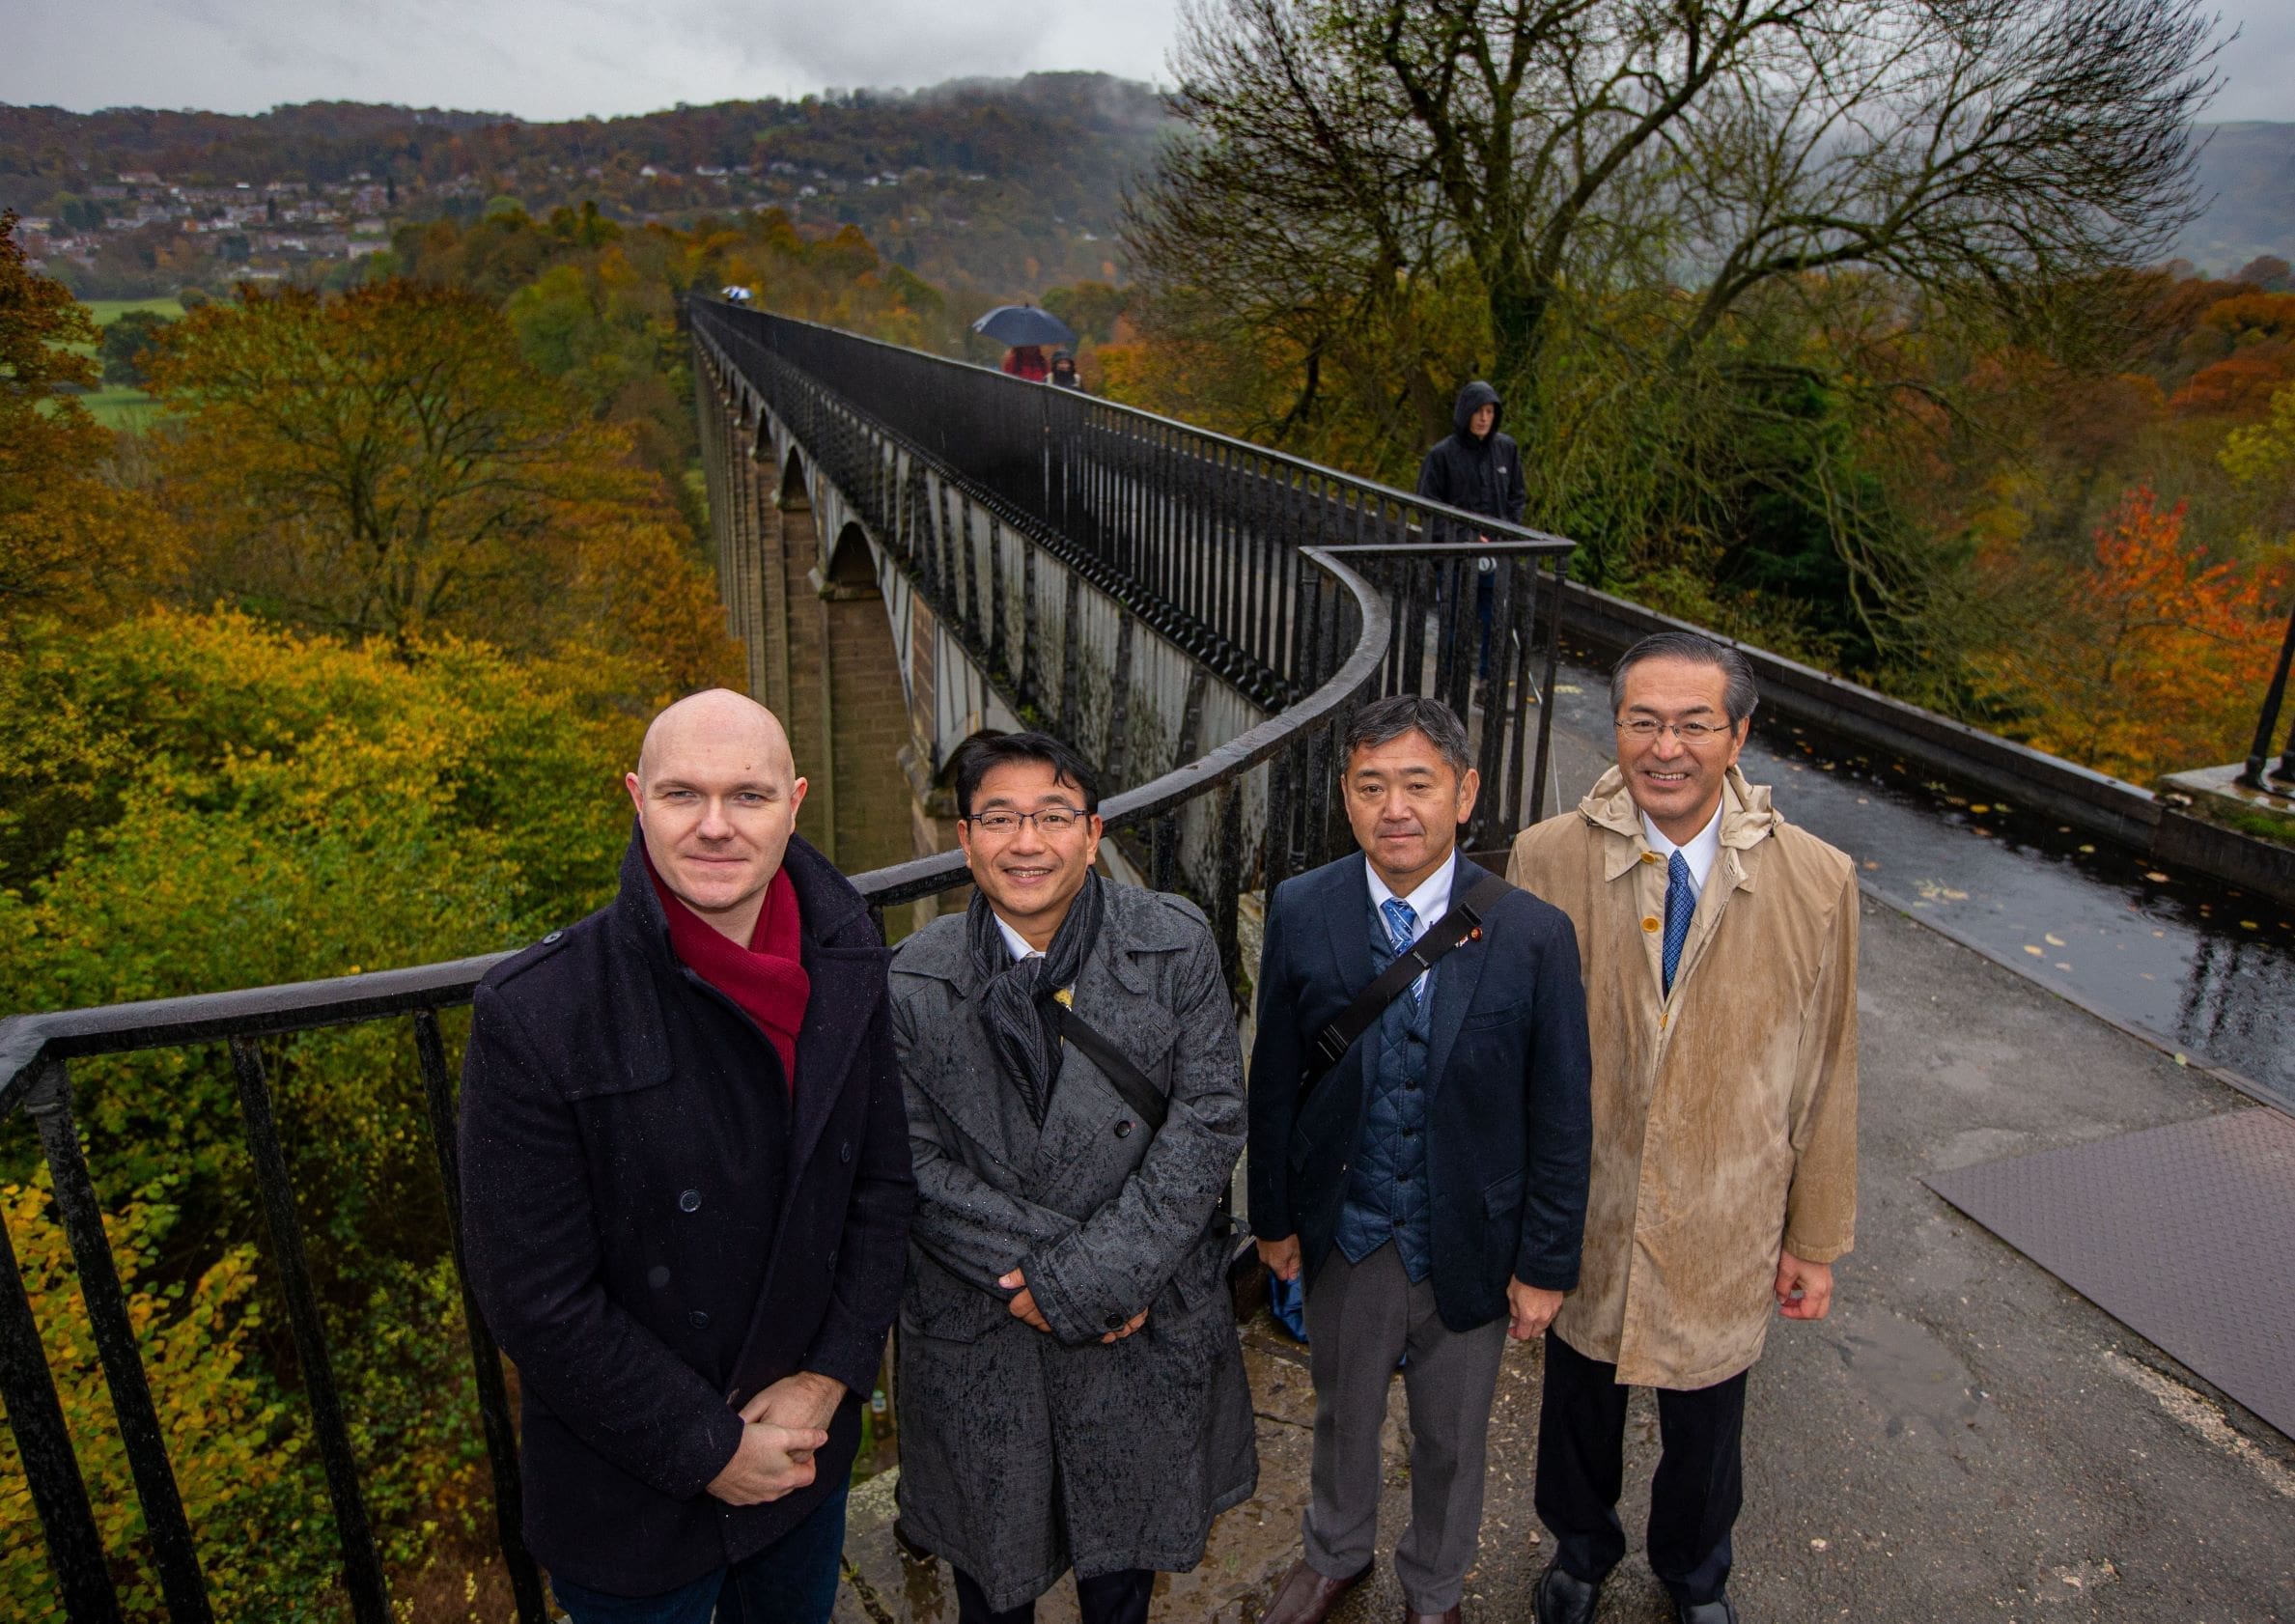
x=1063, y=371
x=1719, y=945
x=1072, y=1388
x=1478, y=469
x=1418, y=1149
x=1026, y=360
x=685, y=1191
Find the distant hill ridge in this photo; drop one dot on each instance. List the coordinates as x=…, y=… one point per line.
x=1022, y=181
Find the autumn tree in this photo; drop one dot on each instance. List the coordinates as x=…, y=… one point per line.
x=1347, y=149
x=385, y=463
x=70, y=540
x=2148, y=661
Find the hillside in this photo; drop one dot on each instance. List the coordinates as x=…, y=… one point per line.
x=990, y=188
x=2249, y=171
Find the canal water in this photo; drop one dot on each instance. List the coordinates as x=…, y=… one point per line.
x=2206, y=971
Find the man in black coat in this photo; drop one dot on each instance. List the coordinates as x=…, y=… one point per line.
x=685, y=1186
x=1430, y=1186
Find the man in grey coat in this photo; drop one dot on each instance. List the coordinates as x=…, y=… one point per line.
x=1072, y=1390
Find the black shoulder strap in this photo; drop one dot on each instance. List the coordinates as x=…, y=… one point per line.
x=1146, y=1100
x=1457, y=927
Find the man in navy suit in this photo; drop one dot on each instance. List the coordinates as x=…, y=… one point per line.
x=1430, y=1186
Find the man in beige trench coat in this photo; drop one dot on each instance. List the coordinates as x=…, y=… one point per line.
x=1718, y=946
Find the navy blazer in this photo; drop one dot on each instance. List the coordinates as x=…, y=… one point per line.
x=1508, y=1080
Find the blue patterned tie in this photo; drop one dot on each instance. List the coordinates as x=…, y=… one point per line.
x=1680, y=903
x=1402, y=929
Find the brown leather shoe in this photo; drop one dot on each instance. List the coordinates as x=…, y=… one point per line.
x=1306, y=1597
x=1449, y=1616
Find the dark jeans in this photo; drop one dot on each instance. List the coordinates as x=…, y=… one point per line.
x=1108, y=1598
x=793, y=1581
x=1694, y=1500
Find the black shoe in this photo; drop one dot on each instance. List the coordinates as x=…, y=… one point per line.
x=1719, y=1610
x=1563, y=1598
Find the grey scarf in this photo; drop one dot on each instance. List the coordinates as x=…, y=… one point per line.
x=1013, y=993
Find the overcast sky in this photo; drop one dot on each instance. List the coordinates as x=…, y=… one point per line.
x=565, y=58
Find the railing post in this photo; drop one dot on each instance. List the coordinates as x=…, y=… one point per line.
x=43, y=1443
x=1554, y=654
x=485, y=1357
x=49, y=1106
x=2268, y=723
x=362, y=1567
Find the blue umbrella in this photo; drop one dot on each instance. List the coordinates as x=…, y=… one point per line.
x=1016, y=324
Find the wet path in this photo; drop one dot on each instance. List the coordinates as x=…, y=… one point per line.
x=2207, y=972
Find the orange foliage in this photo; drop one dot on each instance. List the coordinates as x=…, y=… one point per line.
x=2242, y=384
x=2272, y=314
x=2151, y=659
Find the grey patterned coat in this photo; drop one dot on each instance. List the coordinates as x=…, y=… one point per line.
x=1022, y=1454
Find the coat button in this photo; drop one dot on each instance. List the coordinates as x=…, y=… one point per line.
x=1123, y=1129
x=1115, y=1322
x=657, y=1277
x=845, y=1151
x=690, y=1201
x=699, y=1319
x=1649, y=924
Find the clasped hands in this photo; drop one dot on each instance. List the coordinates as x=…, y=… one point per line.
x=1530, y=1309
x=780, y=1429
x=1023, y=1308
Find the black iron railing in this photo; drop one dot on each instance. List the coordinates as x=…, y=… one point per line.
x=2280, y=779
x=1213, y=542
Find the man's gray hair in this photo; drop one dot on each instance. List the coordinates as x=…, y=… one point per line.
x=1383, y=720
x=1738, y=698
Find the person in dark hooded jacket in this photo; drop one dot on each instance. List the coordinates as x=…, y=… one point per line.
x=1476, y=468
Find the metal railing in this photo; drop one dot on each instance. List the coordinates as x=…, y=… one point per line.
x=1222, y=558
x=2281, y=777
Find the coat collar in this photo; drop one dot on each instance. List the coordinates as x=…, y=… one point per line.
x=1137, y=927
x=841, y=954
x=1747, y=818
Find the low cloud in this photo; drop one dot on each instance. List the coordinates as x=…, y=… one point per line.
x=570, y=58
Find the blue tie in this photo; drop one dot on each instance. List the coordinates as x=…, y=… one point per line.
x=1680, y=903
x=1402, y=929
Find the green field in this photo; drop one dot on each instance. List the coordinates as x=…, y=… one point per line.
x=108, y=311
x=115, y=405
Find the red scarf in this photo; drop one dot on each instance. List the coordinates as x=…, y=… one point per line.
x=766, y=979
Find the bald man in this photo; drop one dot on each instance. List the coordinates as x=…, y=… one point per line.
x=685, y=1195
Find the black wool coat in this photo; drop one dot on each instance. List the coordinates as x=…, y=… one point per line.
x=1509, y=1076
x=657, y=1230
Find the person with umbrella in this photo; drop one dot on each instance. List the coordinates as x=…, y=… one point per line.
x=1026, y=329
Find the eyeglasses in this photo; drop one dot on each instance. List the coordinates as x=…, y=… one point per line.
x=1052, y=820
x=1647, y=728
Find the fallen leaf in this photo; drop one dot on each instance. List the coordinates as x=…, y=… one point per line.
x=2055, y=940
x=1816, y=1545
x=2087, y=850
x=2036, y=952
x=2155, y=877
x=2066, y=968
x=1980, y=807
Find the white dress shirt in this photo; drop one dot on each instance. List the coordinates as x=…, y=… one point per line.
x=1700, y=854
x=1429, y=902
x=1014, y=939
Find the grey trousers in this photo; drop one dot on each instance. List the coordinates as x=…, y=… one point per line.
x=1361, y=1319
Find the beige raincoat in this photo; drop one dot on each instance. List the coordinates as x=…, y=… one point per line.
x=1725, y=1116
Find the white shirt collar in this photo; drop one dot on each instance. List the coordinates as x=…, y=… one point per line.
x=1430, y=900
x=1014, y=939
x=1700, y=854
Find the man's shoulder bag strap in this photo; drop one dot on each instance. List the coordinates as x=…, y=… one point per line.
x=1460, y=925
x=1146, y=1100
